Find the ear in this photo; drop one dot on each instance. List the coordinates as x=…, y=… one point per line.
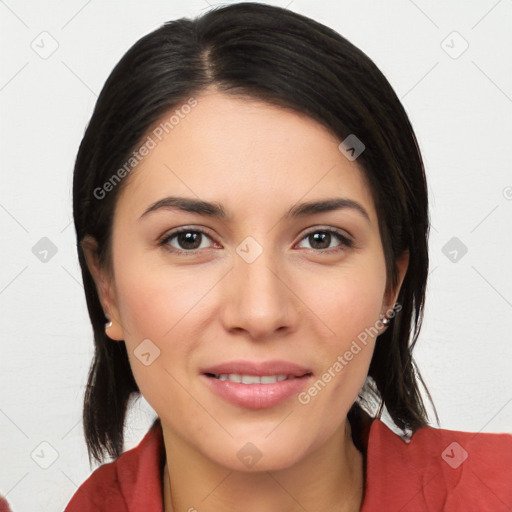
x=392, y=292
x=104, y=287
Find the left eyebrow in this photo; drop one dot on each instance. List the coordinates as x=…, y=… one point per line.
x=214, y=209
x=327, y=205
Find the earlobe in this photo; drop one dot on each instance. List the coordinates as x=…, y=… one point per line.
x=114, y=330
x=113, y=327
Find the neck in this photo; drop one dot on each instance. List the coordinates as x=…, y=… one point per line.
x=329, y=479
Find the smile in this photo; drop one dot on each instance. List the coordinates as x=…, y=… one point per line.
x=258, y=392
x=252, y=379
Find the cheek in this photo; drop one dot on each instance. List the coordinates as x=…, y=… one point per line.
x=154, y=302
x=350, y=305
x=154, y=305
x=350, y=301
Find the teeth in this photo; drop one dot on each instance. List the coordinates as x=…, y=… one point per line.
x=251, y=379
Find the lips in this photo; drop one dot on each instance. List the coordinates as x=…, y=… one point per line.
x=256, y=385
x=266, y=368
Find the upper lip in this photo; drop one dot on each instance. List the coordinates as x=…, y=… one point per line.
x=274, y=367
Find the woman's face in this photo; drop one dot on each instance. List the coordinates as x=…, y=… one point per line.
x=270, y=289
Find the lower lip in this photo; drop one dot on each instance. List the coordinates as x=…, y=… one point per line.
x=257, y=396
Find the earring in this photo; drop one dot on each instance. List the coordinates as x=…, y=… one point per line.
x=385, y=320
x=109, y=323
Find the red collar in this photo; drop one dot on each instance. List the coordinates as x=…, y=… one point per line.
x=437, y=470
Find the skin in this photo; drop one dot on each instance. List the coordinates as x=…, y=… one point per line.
x=298, y=301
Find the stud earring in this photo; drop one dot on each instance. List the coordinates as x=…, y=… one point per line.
x=109, y=323
x=385, y=320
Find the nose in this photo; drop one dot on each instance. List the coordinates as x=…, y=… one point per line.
x=258, y=298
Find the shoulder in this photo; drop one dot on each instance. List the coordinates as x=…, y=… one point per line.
x=131, y=483
x=439, y=469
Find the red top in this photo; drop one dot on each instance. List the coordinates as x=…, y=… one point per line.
x=4, y=506
x=438, y=470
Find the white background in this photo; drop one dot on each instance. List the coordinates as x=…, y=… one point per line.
x=461, y=109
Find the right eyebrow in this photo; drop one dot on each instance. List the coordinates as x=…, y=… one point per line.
x=188, y=205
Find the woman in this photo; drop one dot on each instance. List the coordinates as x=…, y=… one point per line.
x=252, y=221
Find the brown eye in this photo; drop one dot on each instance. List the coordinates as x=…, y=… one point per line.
x=185, y=240
x=321, y=240
x=189, y=239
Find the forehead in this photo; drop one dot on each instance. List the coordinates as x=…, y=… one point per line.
x=243, y=153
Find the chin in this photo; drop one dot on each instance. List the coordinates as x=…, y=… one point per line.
x=253, y=454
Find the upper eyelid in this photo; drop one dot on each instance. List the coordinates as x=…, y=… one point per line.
x=185, y=229
x=339, y=231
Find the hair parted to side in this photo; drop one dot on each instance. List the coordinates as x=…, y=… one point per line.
x=286, y=59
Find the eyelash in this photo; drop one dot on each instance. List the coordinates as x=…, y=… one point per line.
x=345, y=241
